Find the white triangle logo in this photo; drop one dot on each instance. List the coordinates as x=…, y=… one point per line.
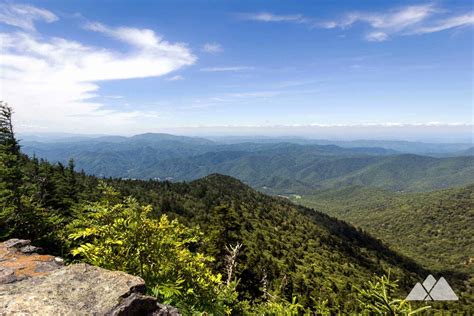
x=418, y=293
x=432, y=290
x=443, y=292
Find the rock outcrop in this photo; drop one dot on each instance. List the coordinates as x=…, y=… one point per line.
x=31, y=283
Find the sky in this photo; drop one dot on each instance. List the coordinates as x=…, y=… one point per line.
x=275, y=67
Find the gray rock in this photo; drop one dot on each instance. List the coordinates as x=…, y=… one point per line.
x=7, y=275
x=78, y=288
x=135, y=304
x=16, y=243
x=32, y=284
x=30, y=249
x=18, y=263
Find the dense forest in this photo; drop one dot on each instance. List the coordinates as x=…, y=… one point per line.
x=430, y=227
x=212, y=245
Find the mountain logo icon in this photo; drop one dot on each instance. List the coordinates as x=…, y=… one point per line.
x=432, y=290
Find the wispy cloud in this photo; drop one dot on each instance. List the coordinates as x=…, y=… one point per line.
x=445, y=24
x=397, y=19
x=175, y=78
x=212, y=48
x=407, y=20
x=156, y=55
x=228, y=68
x=58, y=77
x=271, y=17
x=24, y=16
x=376, y=36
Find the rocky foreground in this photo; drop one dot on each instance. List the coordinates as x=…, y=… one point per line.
x=32, y=283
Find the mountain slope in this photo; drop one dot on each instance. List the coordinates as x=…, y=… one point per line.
x=295, y=249
x=433, y=228
x=411, y=173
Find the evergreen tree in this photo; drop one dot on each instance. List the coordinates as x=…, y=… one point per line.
x=21, y=212
x=10, y=173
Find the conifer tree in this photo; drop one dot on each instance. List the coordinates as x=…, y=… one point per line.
x=10, y=172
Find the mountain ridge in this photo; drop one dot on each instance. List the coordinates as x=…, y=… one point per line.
x=276, y=168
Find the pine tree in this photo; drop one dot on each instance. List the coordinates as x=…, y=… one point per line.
x=21, y=212
x=10, y=173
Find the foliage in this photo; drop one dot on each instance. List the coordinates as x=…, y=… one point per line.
x=278, y=306
x=123, y=236
x=377, y=299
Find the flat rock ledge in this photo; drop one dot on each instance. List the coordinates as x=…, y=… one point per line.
x=37, y=284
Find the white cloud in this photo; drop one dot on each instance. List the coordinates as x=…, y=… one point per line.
x=393, y=20
x=270, y=17
x=376, y=36
x=445, y=24
x=212, y=48
x=224, y=69
x=175, y=78
x=24, y=16
x=50, y=81
x=409, y=20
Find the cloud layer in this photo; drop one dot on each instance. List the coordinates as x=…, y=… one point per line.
x=50, y=81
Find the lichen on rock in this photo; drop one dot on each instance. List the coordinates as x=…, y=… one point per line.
x=31, y=283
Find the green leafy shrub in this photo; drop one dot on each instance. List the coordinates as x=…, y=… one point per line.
x=121, y=235
x=377, y=298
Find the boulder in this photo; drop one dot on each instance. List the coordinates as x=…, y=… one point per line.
x=39, y=284
x=19, y=260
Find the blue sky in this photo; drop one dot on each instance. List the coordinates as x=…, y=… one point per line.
x=125, y=67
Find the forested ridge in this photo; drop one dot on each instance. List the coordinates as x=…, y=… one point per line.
x=212, y=245
x=274, y=168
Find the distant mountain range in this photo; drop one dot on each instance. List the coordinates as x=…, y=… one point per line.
x=409, y=147
x=272, y=167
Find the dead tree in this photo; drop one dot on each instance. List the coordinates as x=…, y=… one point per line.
x=231, y=260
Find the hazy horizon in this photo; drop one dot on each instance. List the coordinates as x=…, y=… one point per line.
x=432, y=134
